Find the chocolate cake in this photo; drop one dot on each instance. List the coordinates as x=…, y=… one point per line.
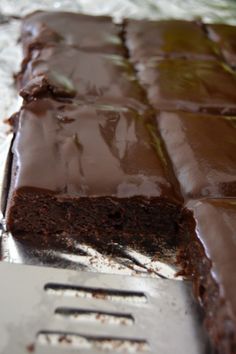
x=168, y=39
x=189, y=85
x=202, y=149
x=73, y=55
x=210, y=261
x=69, y=72
x=92, y=131
x=91, y=172
x=89, y=33
x=103, y=153
x=179, y=67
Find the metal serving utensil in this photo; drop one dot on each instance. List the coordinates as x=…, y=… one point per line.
x=52, y=311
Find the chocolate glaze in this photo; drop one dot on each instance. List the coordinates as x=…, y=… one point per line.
x=224, y=35
x=70, y=72
x=202, y=149
x=85, y=32
x=89, y=150
x=215, y=228
x=190, y=85
x=169, y=38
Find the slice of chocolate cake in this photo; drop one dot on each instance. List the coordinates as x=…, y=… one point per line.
x=95, y=169
x=78, y=60
x=167, y=39
x=190, y=85
x=89, y=33
x=202, y=150
x=211, y=261
x=93, y=173
x=68, y=72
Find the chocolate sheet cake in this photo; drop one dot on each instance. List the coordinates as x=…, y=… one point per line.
x=101, y=150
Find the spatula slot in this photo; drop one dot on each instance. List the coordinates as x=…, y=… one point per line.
x=96, y=293
x=100, y=317
x=81, y=341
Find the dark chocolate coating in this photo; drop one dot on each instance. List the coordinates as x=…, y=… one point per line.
x=215, y=228
x=168, y=38
x=190, y=85
x=89, y=76
x=225, y=37
x=88, y=150
x=202, y=149
x=90, y=33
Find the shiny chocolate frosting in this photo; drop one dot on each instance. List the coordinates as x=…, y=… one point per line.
x=202, y=149
x=168, y=38
x=90, y=33
x=190, y=85
x=69, y=72
x=89, y=150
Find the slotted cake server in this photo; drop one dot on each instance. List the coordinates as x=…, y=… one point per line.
x=52, y=311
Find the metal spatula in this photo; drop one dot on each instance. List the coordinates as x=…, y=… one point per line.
x=47, y=311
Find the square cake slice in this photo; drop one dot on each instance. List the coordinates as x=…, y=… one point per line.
x=89, y=33
x=167, y=39
x=202, y=150
x=68, y=72
x=94, y=173
x=210, y=260
x=190, y=85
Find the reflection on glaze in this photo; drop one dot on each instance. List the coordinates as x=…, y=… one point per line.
x=86, y=150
